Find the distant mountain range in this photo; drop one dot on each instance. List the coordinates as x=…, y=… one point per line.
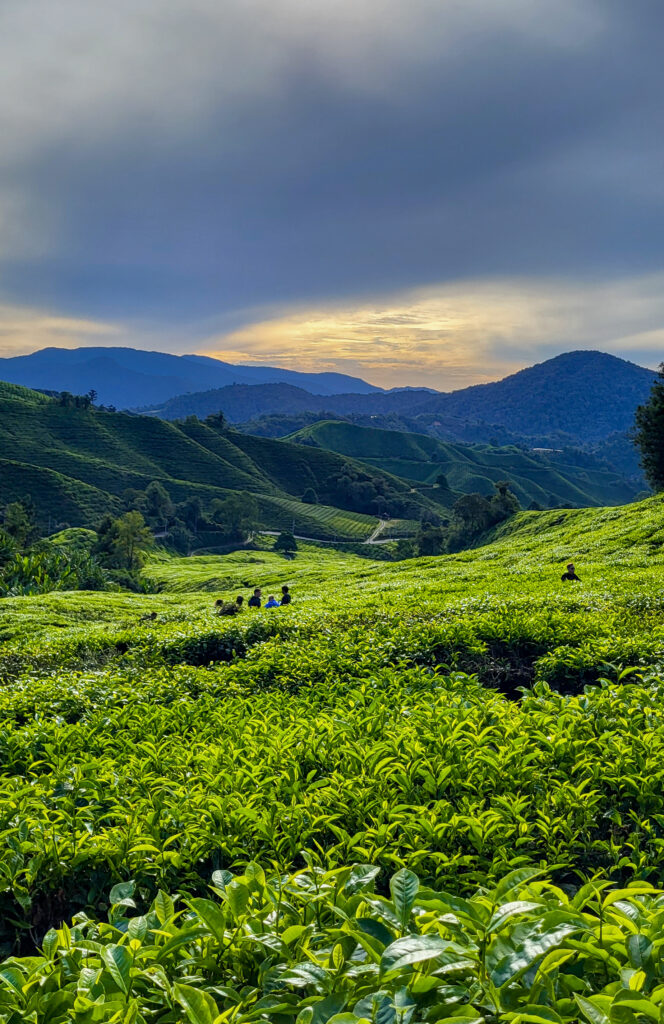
x=127, y=377
x=77, y=464
x=580, y=396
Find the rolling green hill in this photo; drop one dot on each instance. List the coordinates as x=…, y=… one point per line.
x=548, y=478
x=223, y=802
x=77, y=462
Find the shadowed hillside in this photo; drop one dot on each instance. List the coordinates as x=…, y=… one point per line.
x=128, y=377
x=568, y=478
x=77, y=462
x=580, y=396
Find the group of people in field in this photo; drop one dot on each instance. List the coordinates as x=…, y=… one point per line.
x=222, y=607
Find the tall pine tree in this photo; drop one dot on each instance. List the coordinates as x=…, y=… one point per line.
x=649, y=436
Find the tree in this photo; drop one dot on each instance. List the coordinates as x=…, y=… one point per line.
x=504, y=502
x=19, y=521
x=216, y=420
x=7, y=547
x=237, y=515
x=158, y=504
x=430, y=540
x=442, y=482
x=405, y=548
x=429, y=518
x=181, y=539
x=649, y=434
x=132, y=538
x=134, y=499
x=286, y=542
x=92, y=395
x=191, y=513
x=474, y=511
x=310, y=497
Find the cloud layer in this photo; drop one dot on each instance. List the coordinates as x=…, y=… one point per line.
x=464, y=333
x=165, y=164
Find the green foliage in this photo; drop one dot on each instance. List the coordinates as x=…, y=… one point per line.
x=8, y=547
x=131, y=538
x=430, y=540
x=286, y=542
x=81, y=464
x=158, y=505
x=19, y=521
x=41, y=571
x=444, y=470
x=324, y=945
x=236, y=516
x=427, y=790
x=649, y=434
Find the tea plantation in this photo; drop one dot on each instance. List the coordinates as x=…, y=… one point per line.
x=428, y=790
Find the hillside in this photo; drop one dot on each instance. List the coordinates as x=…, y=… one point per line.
x=577, y=397
x=76, y=463
x=567, y=478
x=241, y=402
x=586, y=395
x=432, y=784
x=126, y=377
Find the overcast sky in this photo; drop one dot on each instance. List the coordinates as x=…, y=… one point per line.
x=417, y=191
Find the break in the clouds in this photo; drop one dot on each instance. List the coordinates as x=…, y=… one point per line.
x=165, y=165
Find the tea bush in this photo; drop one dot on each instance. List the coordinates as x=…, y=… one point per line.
x=324, y=946
x=468, y=720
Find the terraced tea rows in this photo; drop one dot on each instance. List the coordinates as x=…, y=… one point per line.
x=380, y=720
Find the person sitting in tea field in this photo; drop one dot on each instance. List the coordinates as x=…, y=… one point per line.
x=229, y=607
x=570, y=574
x=285, y=595
x=255, y=599
x=272, y=602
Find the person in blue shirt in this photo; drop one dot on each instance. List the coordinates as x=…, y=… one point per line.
x=272, y=602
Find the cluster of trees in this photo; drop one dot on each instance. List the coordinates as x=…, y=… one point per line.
x=70, y=401
x=179, y=524
x=472, y=515
x=649, y=434
x=357, y=491
x=30, y=564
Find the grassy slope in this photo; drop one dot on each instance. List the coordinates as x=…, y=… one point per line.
x=524, y=554
x=471, y=467
x=342, y=725
x=617, y=551
x=77, y=463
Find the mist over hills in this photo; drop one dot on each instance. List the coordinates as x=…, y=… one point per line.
x=127, y=377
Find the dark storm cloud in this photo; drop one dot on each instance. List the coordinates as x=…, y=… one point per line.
x=460, y=144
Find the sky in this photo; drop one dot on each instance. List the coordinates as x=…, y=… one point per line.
x=432, y=192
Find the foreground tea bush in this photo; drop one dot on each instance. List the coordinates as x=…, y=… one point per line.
x=463, y=717
x=166, y=775
x=323, y=946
